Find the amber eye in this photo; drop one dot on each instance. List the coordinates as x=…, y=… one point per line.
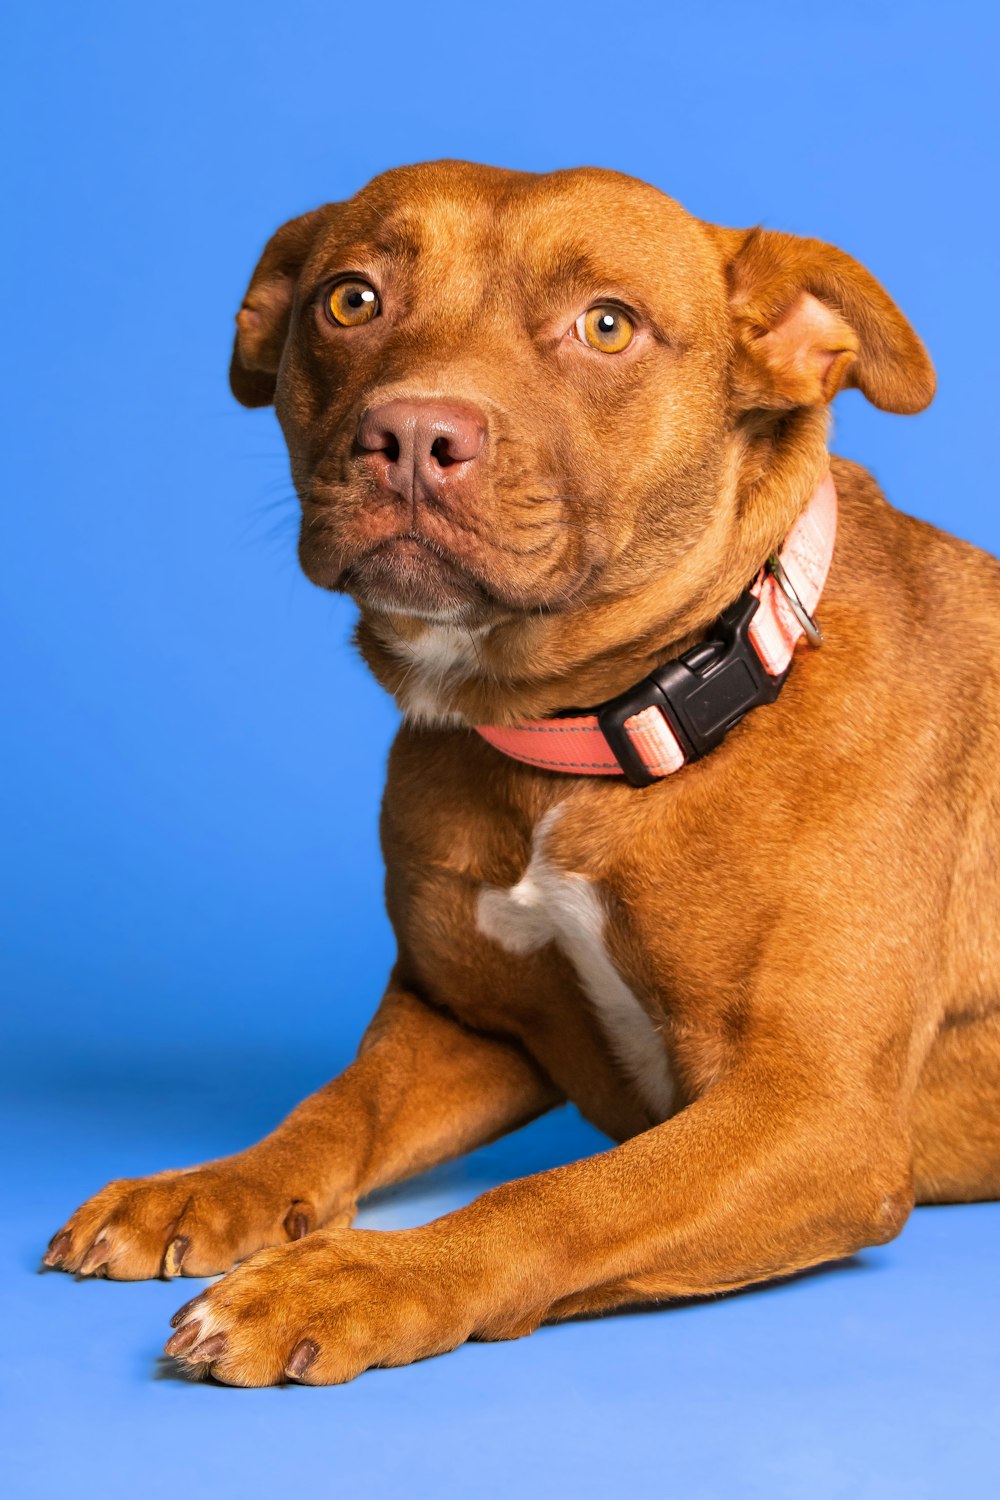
x=606, y=328
x=352, y=302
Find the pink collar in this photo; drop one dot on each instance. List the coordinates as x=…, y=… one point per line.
x=686, y=707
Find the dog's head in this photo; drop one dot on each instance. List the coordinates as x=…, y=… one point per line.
x=511, y=397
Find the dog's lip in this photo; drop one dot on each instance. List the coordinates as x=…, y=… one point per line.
x=412, y=544
x=436, y=563
x=408, y=539
x=472, y=588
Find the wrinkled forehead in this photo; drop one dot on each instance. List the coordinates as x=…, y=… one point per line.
x=568, y=234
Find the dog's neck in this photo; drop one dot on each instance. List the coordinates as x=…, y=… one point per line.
x=450, y=674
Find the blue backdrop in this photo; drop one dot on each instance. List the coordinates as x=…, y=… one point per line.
x=191, y=898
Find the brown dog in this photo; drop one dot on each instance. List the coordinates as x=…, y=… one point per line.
x=544, y=430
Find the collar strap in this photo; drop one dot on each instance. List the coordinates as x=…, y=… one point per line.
x=685, y=707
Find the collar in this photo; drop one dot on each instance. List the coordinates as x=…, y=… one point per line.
x=687, y=706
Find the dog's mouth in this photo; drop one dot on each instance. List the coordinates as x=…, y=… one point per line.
x=409, y=574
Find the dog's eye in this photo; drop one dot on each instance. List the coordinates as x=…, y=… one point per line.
x=352, y=302
x=606, y=328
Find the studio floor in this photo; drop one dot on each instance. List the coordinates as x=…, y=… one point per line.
x=878, y=1379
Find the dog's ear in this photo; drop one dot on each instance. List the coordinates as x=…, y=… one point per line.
x=809, y=321
x=262, y=321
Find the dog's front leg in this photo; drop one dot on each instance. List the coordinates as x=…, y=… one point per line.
x=771, y=1171
x=422, y=1089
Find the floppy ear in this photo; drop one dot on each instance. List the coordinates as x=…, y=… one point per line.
x=262, y=322
x=809, y=321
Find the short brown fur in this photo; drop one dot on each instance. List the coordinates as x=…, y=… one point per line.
x=808, y=915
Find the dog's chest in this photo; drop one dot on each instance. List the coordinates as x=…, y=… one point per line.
x=553, y=905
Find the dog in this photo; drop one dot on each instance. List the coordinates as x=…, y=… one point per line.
x=692, y=817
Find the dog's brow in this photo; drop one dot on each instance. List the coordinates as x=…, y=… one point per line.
x=577, y=270
x=373, y=256
x=391, y=243
x=396, y=244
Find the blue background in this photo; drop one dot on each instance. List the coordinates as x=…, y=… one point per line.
x=193, y=931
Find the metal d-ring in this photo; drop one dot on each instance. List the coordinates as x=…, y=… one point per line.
x=811, y=629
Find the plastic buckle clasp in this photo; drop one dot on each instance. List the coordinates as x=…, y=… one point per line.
x=701, y=694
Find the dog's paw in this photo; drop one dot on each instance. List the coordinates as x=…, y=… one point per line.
x=195, y=1222
x=323, y=1310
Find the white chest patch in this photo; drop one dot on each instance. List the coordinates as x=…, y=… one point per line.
x=548, y=905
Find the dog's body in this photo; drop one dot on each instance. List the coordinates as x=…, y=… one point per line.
x=773, y=977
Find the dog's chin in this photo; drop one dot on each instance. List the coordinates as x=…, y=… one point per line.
x=406, y=576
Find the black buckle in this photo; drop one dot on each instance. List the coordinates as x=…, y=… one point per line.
x=701, y=694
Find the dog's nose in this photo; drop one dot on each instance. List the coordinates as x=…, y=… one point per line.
x=416, y=446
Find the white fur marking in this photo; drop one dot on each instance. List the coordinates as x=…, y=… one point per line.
x=438, y=658
x=548, y=905
x=209, y=1320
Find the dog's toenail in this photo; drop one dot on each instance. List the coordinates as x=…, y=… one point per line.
x=95, y=1257
x=301, y=1358
x=174, y=1256
x=296, y=1224
x=184, y=1338
x=209, y=1350
x=182, y=1312
x=58, y=1245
